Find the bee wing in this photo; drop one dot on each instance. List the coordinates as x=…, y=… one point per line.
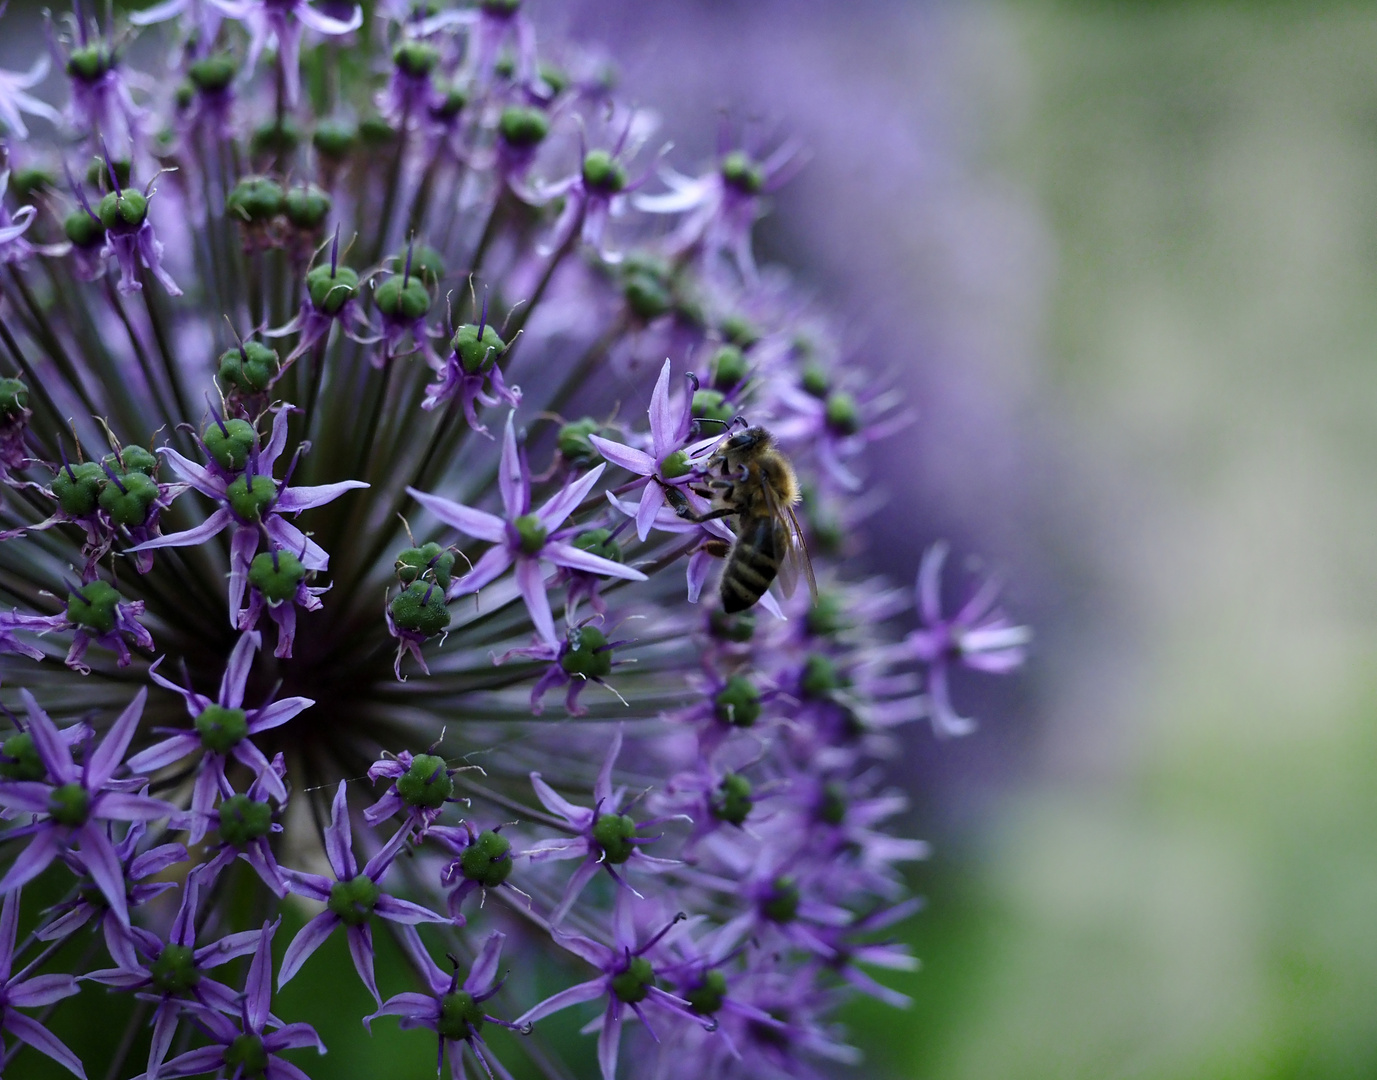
x=793, y=549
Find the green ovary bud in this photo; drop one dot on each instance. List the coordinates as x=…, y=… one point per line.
x=843, y=415
x=487, y=860
x=450, y=100
x=98, y=172
x=14, y=398
x=174, y=972
x=781, y=904
x=221, y=729
x=427, y=783
x=415, y=58
x=733, y=799
x=426, y=264
x=676, y=465
x=27, y=182
x=83, y=230
x=599, y=542
x=588, y=655
x=712, y=405
x=742, y=173
x=250, y=368
x=603, y=173
x=123, y=210
x=531, y=532
x=246, y=1057
x=726, y=627
x=477, y=354
x=645, y=284
x=89, y=63
x=69, y=804
x=420, y=608
x=729, y=367
x=523, y=128
x=614, y=833
x=243, y=820
x=826, y=617
x=331, y=291
x=352, y=901
x=93, y=607
x=19, y=759
x=831, y=809
x=405, y=298
x=555, y=78
x=276, y=137
x=127, y=498
x=77, y=488
x=255, y=200
x=307, y=206
x=738, y=330
x=213, y=74
x=229, y=443
x=634, y=983
x=249, y=501
x=820, y=677
x=707, y=997
x=133, y=459
x=460, y=1016
x=428, y=562
x=573, y=440
x=815, y=381
x=333, y=139
x=276, y=574
x=374, y=130
x=737, y=703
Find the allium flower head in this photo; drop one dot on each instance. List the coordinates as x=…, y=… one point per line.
x=235, y=414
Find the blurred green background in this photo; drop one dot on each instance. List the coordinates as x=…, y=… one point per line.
x=1184, y=882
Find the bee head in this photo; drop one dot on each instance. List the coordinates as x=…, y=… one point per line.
x=748, y=441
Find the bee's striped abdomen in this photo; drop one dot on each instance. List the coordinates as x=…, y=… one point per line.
x=752, y=564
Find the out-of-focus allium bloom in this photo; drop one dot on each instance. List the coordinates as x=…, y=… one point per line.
x=17, y=991
x=437, y=154
x=979, y=636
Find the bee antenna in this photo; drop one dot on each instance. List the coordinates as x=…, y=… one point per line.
x=713, y=420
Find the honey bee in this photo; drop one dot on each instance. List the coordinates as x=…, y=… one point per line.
x=752, y=481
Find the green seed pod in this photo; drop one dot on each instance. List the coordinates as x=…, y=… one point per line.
x=634, y=983
x=532, y=533
x=93, y=606
x=427, y=783
x=229, y=443
x=221, y=729
x=843, y=415
x=248, y=501
x=460, y=1016
x=127, y=498
x=123, y=210
x=420, y=608
x=646, y=287
x=815, y=380
x=19, y=759
x=712, y=405
x=523, y=128
x=588, y=655
x=98, y=172
x=174, y=971
x=737, y=703
x=29, y=182
x=276, y=574
x=249, y=368
x=707, y=997
x=415, y=58
x=742, y=173
x=133, y=459
x=451, y=99
x=213, y=74
x=246, y=1056
x=429, y=562
x=402, y=298
x=733, y=800
x=352, y=901
x=477, y=355
x=90, y=63
x=599, y=542
x=374, y=130
x=826, y=617
x=739, y=627
x=487, y=860
x=243, y=820
x=14, y=398
x=70, y=804
x=277, y=138
x=729, y=367
x=781, y=905
x=77, y=488
x=256, y=200
x=676, y=465
x=831, y=809
x=426, y=264
x=573, y=443
x=83, y=230
x=613, y=833
x=307, y=207
x=557, y=79
x=740, y=331
x=603, y=173
x=820, y=678
x=334, y=139
x=331, y=291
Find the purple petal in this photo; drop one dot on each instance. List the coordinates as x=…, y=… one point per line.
x=576, y=559
x=652, y=498
x=42, y=1040
x=308, y=939
x=103, y=864
x=52, y=749
x=28, y=796
x=287, y=535
x=258, y=987
x=41, y=990
x=204, y=1060
x=414, y=1006
x=267, y=781
x=311, y=886
x=580, y=817
x=278, y=713
x=516, y=496
x=9, y=925
x=587, y=991
x=609, y=1039
x=324, y=24
x=164, y=1027
x=628, y=457
x=476, y=523
x=237, y=670
x=553, y=514
x=577, y=882
x=170, y=750
x=929, y=587
x=294, y=500
x=228, y=948
x=277, y=442
x=530, y=579
x=292, y=1037
x=113, y=806
x=486, y=570
x=404, y=911
x=189, y=537
x=243, y=544
x=484, y=969
x=662, y=423
x=361, y=949
x=339, y=839
x=198, y=476
x=602, y=787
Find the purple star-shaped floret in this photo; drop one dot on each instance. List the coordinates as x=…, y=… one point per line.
x=283, y=20
x=351, y=900
x=979, y=636
x=222, y=730
x=625, y=977
x=14, y=100
x=173, y=974
x=603, y=836
x=443, y=1008
x=270, y=521
x=668, y=461
x=256, y=850
x=17, y=991
x=71, y=805
x=232, y=1043
x=523, y=537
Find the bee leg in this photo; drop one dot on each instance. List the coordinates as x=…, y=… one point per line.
x=717, y=548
